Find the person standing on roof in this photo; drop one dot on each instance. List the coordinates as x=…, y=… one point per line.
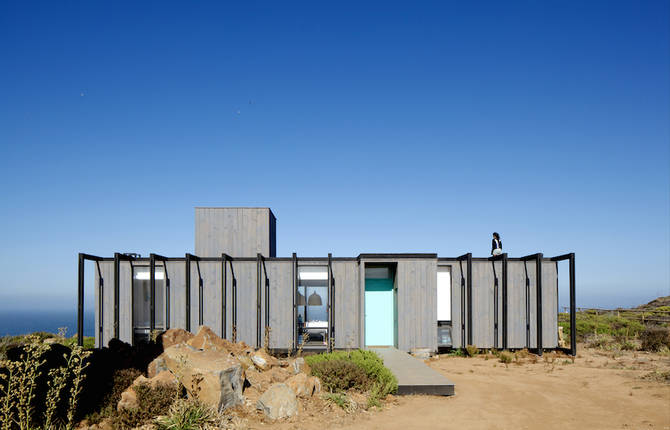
x=496, y=244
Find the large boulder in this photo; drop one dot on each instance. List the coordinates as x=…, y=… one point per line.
x=303, y=385
x=215, y=377
x=278, y=401
x=175, y=336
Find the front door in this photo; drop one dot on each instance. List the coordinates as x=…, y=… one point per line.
x=379, y=312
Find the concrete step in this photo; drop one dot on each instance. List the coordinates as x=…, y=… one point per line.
x=414, y=376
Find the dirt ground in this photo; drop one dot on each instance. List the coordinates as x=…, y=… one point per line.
x=600, y=390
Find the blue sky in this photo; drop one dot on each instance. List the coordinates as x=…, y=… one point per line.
x=378, y=128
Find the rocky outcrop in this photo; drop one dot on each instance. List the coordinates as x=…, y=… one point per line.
x=278, y=401
x=215, y=377
x=216, y=372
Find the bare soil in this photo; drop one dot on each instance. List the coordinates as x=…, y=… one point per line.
x=599, y=390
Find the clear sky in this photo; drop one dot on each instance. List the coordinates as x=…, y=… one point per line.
x=409, y=127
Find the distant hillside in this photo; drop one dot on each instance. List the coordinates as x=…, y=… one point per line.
x=655, y=304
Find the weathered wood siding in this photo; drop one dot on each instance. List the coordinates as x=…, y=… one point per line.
x=347, y=304
x=239, y=232
x=417, y=303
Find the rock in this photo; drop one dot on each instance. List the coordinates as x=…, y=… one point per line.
x=278, y=401
x=245, y=361
x=175, y=336
x=263, y=360
x=128, y=400
x=303, y=385
x=207, y=339
x=156, y=366
x=129, y=396
x=298, y=365
x=216, y=378
x=422, y=353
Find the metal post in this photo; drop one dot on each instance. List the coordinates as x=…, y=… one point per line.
x=573, y=311
x=166, y=323
x=527, y=305
x=538, y=301
x=330, y=309
x=495, y=303
x=188, y=291
x=504, y=299
x=294, y=257
x=223, y=296
x=116, y=293
x=258, y=300
x=152, y=294
x=469, y=286
x=101, y=305
x=80, y=303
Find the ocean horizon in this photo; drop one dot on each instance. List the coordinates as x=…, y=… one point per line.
x=19, y=322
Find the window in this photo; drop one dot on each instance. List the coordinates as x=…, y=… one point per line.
x=142, y=302
x=312, y=304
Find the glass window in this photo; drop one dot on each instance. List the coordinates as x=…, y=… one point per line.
x=313, y=303
x=142, y=300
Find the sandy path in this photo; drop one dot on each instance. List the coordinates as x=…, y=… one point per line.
x=582, y=395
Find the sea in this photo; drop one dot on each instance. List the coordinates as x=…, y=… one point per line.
x=17, y=322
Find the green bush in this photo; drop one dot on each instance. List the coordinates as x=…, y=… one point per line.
x=505, y=357
x=152, y=402
x=383, y=381
x=471, y=350
x=655, y=339
x=341, y=375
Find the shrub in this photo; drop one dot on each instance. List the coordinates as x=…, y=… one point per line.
x=384, y=380
x=471, y=350
x=655, y=339
x=505, y=357
x=151, y=401
x=340, y=375
x=188, y=414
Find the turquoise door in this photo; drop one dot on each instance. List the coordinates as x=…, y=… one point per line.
x=379, y=312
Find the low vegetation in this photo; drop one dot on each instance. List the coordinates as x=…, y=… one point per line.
x=372, y=377
x=645, y=328
x=38, y=388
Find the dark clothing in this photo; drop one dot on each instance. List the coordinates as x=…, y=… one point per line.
x=495, y=245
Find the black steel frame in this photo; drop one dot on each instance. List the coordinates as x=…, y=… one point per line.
x=503, y=258
x=261, y=269
x=80, y=297
x=118, y=257
x=331, y=294
x=152, y=277
x=466, y=294
x=466, y=302
x=538, y=300
x=188, y=258
x=225, y=258
x=573, y=301
x=294, y=264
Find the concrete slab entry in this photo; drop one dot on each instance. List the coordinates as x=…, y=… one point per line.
x=414, y=376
